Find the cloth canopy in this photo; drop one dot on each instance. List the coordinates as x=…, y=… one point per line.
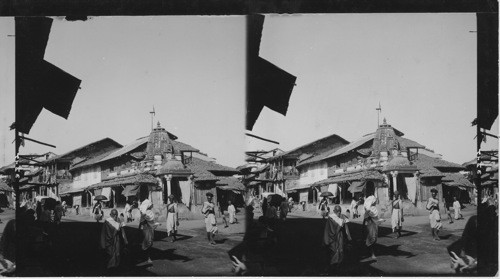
x=356, y=187
x=130, y=190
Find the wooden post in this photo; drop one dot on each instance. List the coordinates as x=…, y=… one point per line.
x=114, y=198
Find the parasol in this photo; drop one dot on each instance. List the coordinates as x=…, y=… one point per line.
x=100, y=198
x=326, y=194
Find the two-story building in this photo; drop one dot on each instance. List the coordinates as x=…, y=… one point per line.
x=151, y=167
x=392, y=163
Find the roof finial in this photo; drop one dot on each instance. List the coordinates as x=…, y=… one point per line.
x=379, y=110
x=385, y=121
x=158, y=125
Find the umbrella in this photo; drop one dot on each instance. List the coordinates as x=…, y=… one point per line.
x=326, y=194
x=100, y=198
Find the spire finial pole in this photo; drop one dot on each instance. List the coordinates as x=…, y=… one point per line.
x=152, y=116
x=379, y=109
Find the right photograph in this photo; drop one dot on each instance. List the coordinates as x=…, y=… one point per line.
x=361, y=159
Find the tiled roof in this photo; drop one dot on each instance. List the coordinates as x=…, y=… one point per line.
x=404, y=143
x=177, y=145
x=60, y=157
x=140, y=178
x=457, y=179
x=424, y=162
x=352, y=145
x=183, y=146
x=91, y=161
x=126, y=149
x=352, y=176
x=203, y=169
x=297, y=151
x=318, y=157
x=230, y=183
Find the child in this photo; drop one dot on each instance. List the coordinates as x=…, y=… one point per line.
x=457, y=208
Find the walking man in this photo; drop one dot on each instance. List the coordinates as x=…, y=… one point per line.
x=397, y=214
x=434, y=216
x=210, y=222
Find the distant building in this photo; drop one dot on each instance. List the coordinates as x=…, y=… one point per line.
x=151, y=167
x=384, y=158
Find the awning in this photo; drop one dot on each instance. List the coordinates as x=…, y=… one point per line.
x=352, y=176
x=356, y=186
x=135, y=179
x=70, y=191
x=130, y=190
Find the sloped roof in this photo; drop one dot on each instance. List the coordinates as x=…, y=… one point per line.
x=177, y=145
x=63, y=156
x=318, y=157
x=352, y=176
x=428, y=166
x=297, y=151
x=404, y=143
x=91, y=161
x=230, y=183
x=183, y=146
x=457, y=179
x=135, y=179
x=438, y=163
x=126, y=149
x=352, y=146
x=203, y=169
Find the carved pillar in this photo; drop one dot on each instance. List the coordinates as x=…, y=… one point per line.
x=394, y=175
x=169, y=185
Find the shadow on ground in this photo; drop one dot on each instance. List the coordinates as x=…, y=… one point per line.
x=295, y=249
x=72, y=249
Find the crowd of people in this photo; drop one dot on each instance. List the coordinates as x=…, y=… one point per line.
x=336, y=234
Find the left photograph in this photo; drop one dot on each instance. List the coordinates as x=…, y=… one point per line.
x=130, y=132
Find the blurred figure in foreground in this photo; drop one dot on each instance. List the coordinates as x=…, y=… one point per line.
x=113, y=240
x=335, y=237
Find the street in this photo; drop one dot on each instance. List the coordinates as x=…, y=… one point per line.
x=299, y=250
x=75, y=252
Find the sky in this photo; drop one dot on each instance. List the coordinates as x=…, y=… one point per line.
x=420, y=67
x=191, y=69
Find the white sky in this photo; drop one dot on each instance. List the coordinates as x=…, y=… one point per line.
x=192, y=69
x=420, y=67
